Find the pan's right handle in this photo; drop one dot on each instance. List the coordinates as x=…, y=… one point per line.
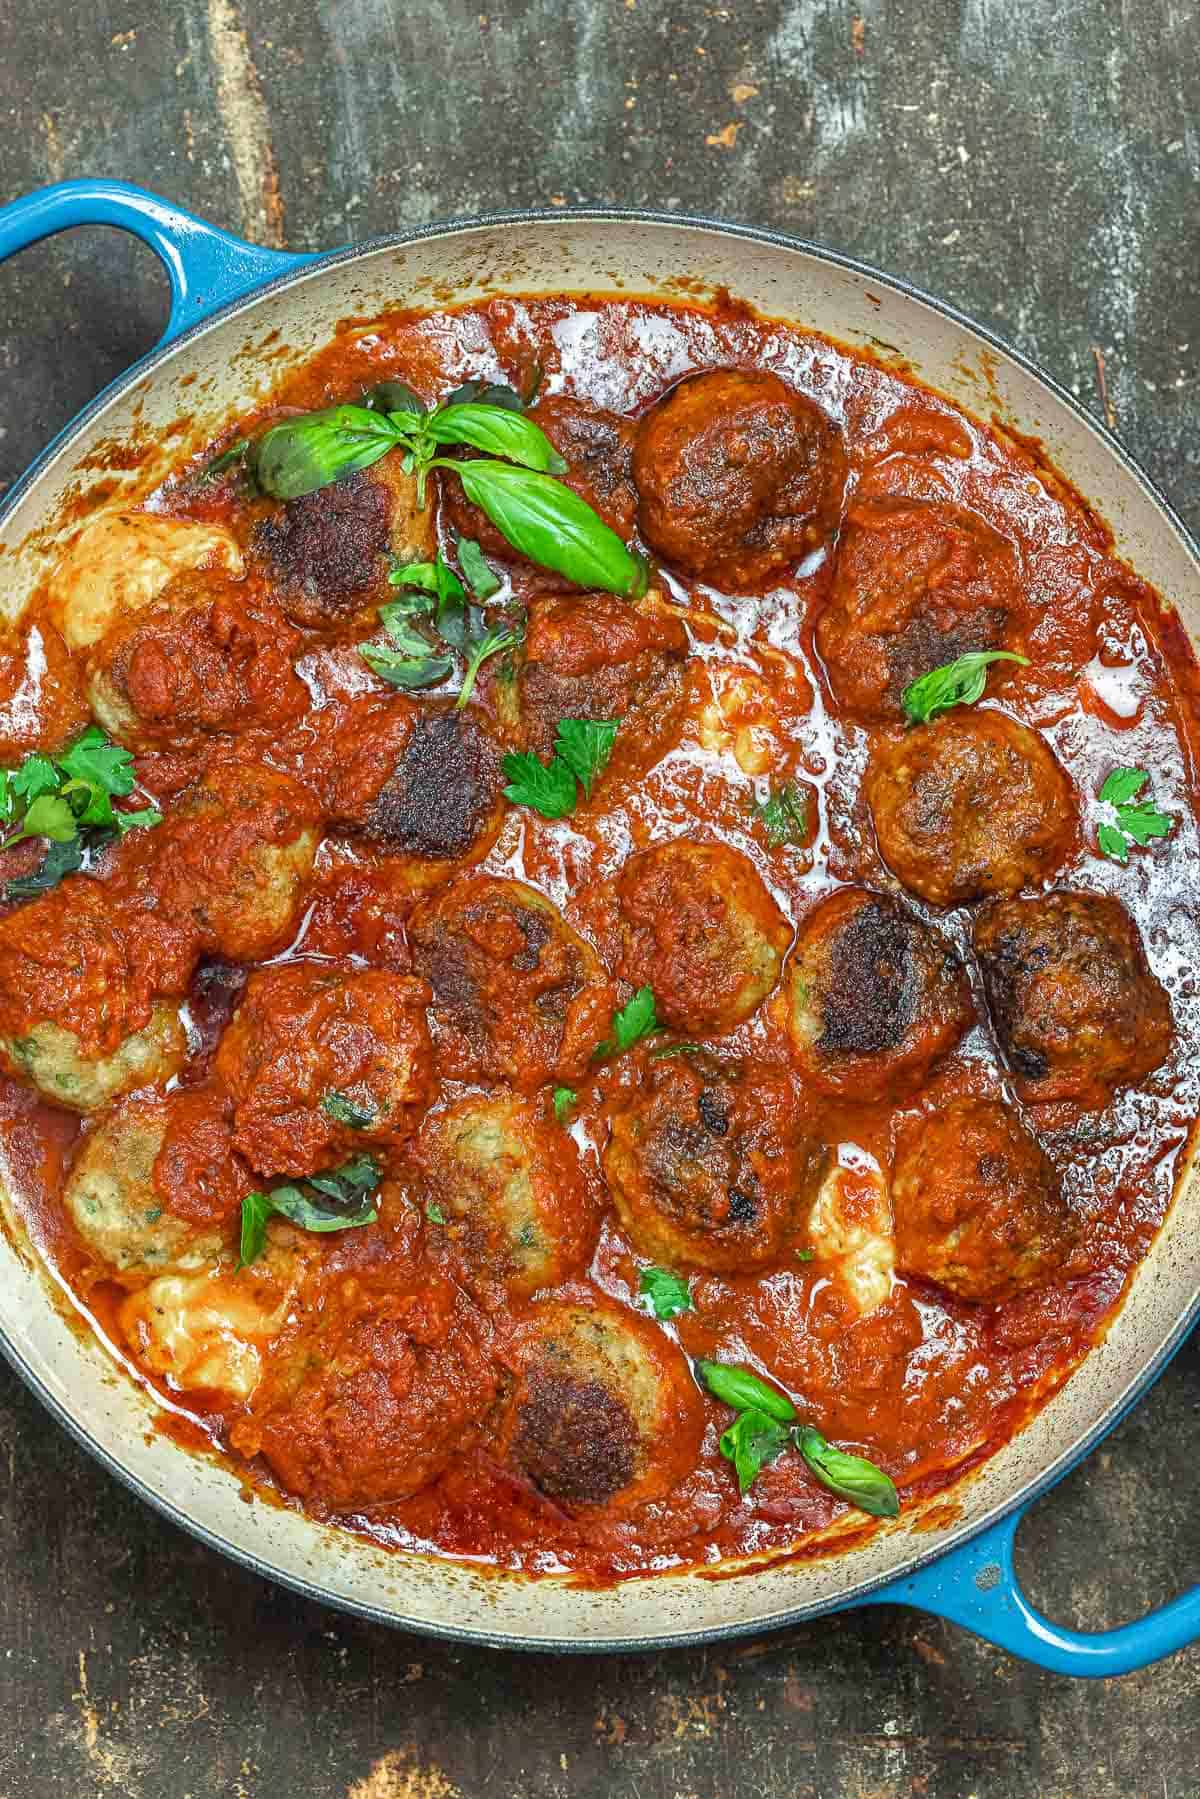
x=205, y=266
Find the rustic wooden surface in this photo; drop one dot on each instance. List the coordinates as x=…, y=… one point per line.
x=1034, y=161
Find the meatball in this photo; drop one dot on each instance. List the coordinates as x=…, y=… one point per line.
x=232, y=862
x=979, y=1207
x=121, y=562
x=509, y=1183
x=738, y=477
x=872, y=997
x=604, y=1414
x=386, y=1380
x=916, y=585
x=707, y=1166
x=596, y=446
x=699, y=927
x=140, y=1202
x=417, y=779
x=210, y=655
x=1076, y=1009
x=327, y=555
x=517, y=995
x=598, y=657
x=322, y=1063
x=968, y=806
x=82, y=1016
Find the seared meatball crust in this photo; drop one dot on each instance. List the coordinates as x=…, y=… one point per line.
x=978, y=1206
x=604, y=1414
x=971, y=805
x=872, y=997
x=698, y=925
x=517, y=995
x=916, y=584
x=598, y=657
x=507, y=1178
x=1076, y=1009
x=322, y=1063
x=738, y=478
x=709, y=1167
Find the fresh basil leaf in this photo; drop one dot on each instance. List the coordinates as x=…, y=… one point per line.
x=143, y=820
x=1135, y=823
x=498, y=432
x=585, y=745
x=393, y=396
x=61, y=859
x=752, y=1440
x=359, y=1175
x=300, y=1208
x=634, y=1021
x=300, y=455
x=548, y=788
x=564, y=1099
x=406, y=661
x=36, y=775
x=476, y=573
x=414, y=574
x=851, y=1477
x=256, y=1209
x=500, y=637
x=344, y=1110
x=957, y=683
x=784, y=815
x=669, y=1294
x=451, y=616
x=550, y=524
x=486, y=393
x=301, y=1203
x=434, y=1212
x=1122, y=785
x=742, y=1389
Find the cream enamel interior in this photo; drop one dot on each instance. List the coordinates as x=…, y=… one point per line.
x=217, y=371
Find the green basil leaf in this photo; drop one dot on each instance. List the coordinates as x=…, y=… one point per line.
x=1123, y=784
x=550, y=524
x=408, y=672
x=300, y=1203
x=300, y=455
x=548, y=788
x=851, y=1477
x=742, y=1389
x=143, y=820
x=344, y=1110
x=61, y=859
x=669, y=1294
x=486, y=393
x=413, y=574
x=393, y=396
x=634, y=1021
x=585, y=745
x=36, y=775
x=784, y=815
x=256, y=1209
x=957, y=683
x=564, y=1099
x=476, y=573
x=500, y=637
x=299, y=1208
x=752, y=1440
x=498, y=432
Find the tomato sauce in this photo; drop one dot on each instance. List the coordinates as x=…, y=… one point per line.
x=925, y=1384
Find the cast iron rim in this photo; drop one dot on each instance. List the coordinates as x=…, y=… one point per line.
x=1027, y=1493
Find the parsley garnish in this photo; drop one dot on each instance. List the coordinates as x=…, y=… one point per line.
x=311, y=1204
x=582, y=748
x=69, y=800
x=434, y=1212
x=957, y=683
x=564, y=1099
x=500, y=637
x=784, y=815
x=634, y=1021
x=585, y=745
x=1134, y=823
x=669, y=1294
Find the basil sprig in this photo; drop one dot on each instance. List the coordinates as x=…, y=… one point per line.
x=438, y=598
x=765, y=1427
x=957, y=683
x=339, y=1201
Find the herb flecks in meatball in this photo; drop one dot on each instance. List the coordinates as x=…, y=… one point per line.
x=1075, y=1006
x=708, y=1166
x=739, y=477
x=969, y=806
x=979, y=1208
x=916, y=585
x=698, y=925
x=872, y=997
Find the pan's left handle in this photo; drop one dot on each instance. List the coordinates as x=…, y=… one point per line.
x=205, y=266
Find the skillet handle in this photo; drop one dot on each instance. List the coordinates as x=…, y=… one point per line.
x=976, y=1586
x=205, y=266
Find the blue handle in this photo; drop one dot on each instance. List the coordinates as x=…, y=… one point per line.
x=206, y=267
x=976, y=1585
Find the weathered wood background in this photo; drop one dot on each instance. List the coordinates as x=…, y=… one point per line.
x=1035, y=162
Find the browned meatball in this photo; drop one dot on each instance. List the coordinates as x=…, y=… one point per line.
x=1076, y=1008
x=872, y=997
x=596, y=447
x=604, y=1413
x=739, y=476
x=416, y=778
x=699, y=927
x=517, y=995
x=598, y=657
x=708, y=1167
x=978, y=1205
x=917, y=584
x=968, y=806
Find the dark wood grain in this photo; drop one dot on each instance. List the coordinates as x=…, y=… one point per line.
x=1036, y=164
